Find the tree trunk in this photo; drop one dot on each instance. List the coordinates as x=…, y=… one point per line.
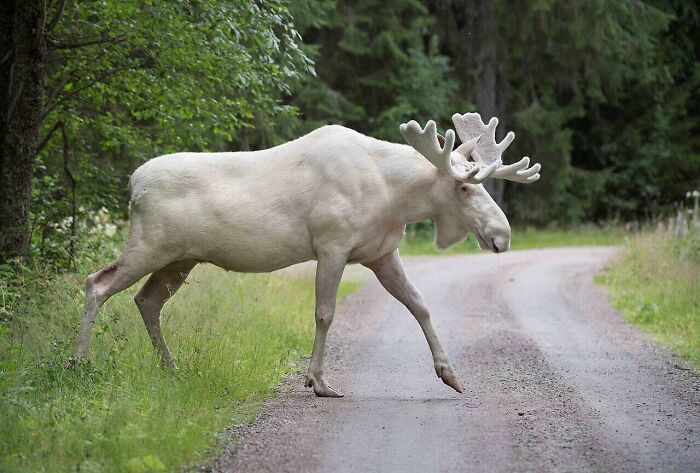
x=7, y=15
x=485, y=40
x=469, y=29
x=22, y=105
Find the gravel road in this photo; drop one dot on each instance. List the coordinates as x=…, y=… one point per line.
x=554, y=380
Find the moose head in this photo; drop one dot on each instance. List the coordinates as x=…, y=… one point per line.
x=468, y=207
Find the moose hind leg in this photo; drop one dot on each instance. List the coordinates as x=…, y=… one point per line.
x=115, y=277
x=160, y=287
x=95, y=295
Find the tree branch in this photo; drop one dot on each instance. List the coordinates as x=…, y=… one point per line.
x=75, y=92
x=7, y=56
x=57, y=15
x=61, y=84
x=71, y=73
x=72, y=183
x=81, y=42
x=56, y=90
x=48, y=136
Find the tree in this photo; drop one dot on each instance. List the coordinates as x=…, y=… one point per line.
x=586, y=85
x=470, y=33
x=22, y=77
x=591, y=88
x=377, y=66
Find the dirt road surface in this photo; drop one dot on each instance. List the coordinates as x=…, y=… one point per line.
x=554, y=380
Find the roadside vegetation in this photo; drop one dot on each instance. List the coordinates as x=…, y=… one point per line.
x=656, y=285
x=234, y=337
x=419, y=239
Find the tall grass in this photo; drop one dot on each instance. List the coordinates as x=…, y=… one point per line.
x=656, y=285
x=234, y=337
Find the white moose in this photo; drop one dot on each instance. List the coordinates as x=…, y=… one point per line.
x=334, y=195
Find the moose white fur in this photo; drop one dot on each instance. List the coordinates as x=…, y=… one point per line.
x=334, y=195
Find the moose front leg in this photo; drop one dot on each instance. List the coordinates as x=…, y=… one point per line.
x=328, y=273
x=391, y=275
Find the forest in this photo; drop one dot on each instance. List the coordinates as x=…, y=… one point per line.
x=603, y=94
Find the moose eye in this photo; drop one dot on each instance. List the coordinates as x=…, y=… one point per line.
x=470, y=158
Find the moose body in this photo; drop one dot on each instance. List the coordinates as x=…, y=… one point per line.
x=334, y=196
x=265, y=210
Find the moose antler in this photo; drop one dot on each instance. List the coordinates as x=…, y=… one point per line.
x=487, y=151
x=438, y=150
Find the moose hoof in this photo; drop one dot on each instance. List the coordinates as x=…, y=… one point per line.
x=321, y=388
x=448, y=377
x=77, y=361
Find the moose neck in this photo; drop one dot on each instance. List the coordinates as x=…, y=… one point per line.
x=414, y=185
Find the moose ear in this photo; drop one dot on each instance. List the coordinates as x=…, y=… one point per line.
x=467, y=148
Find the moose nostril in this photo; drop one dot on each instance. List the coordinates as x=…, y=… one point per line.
x=500, y=243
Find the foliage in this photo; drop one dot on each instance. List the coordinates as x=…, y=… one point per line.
x=656, y=285
x=604, y=95
x=233, y=336
x=174, y=75
x=377, y=65
x=130, y=80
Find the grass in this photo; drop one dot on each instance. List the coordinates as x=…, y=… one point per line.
x=234, y=337
x=656, y=285
x=522, y=238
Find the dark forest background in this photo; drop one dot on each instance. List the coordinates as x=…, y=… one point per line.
x=603, y=93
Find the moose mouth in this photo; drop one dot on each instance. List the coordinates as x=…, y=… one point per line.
x=486, y=243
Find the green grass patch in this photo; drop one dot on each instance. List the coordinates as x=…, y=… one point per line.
x=233, y=336
x=521, y=239
x=656, y=285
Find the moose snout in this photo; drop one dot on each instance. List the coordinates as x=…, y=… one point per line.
x=501, y=243
x=495, y=238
